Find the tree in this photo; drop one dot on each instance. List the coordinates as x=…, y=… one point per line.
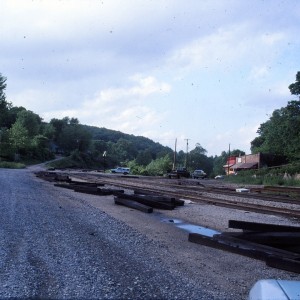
x=2, y=87
x=74, y=137
x=30, y=121
x=159, y=166
x=219, y=162
x=280, y=134
x=144, y=157
x=4, y=105
x=295, y=87
x=18, y=137
x=199, y=160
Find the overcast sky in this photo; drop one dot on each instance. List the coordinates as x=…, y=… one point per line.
x=208, y=71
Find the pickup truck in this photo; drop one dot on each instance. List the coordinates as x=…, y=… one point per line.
x=121, y=170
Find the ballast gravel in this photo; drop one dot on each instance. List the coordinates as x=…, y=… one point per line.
x=59, y=244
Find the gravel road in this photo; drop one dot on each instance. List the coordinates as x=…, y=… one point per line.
x=54, y=244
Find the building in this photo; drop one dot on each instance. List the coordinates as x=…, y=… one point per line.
x=252, y=161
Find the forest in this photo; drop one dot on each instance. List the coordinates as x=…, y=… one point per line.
x=25, y=139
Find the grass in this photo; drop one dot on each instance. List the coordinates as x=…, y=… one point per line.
x=263, y=178
x=12, y=165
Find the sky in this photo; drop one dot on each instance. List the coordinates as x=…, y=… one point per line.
x=205, y=72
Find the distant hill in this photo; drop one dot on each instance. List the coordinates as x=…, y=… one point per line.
x=140, y=143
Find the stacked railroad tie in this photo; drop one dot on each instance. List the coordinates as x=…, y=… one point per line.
x=64, y=181
x=146, y=203
x=140, y=200
x=277, y=245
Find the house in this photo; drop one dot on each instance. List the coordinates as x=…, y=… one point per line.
x=252, y=161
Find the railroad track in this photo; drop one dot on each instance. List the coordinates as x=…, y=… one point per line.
x=241, y=201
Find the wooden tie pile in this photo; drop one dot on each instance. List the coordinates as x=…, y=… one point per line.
x=140, y=200
x=277, y=245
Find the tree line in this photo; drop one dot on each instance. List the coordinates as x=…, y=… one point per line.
x=24, y=136
x=280, y=134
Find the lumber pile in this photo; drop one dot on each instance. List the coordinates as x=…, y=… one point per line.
x=140, y=200
x=89, y=188
x=277, y=245
x=146, y=203
x=52, y=176
x=64, y=181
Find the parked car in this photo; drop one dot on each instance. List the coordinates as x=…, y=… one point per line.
x=275, y=289
x=199, y=174
x=121, y=170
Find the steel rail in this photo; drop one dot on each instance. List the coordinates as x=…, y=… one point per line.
x=198, y=197
x=214, y=190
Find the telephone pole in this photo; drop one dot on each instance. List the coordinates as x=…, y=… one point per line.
x=187, y=151
x=174, y=161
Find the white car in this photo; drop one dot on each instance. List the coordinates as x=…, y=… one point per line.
x=267, y=289
x=199, y=174
x=121, y=170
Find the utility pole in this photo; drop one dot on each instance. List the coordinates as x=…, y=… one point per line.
x=174, y=161
x=228, y=160
x=187, y=151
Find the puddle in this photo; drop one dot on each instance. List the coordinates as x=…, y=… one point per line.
x=191, y=228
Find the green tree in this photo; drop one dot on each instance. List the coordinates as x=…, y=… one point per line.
x=4, y=105
x=124, y=150
x=30, y=121
x=58, y=126
x=159, y=166
x=2, y=88
x=280, y=134
x=144, y=157
x=219, y=162
x=295, y=87
x=199, y=160
x=74, y=137
x=12, y=115
x=48, y=130
x=19, y=138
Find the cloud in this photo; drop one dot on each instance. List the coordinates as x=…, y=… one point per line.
x=127, y=109
x=257, y=73
x=227, y=47
x=239, y=138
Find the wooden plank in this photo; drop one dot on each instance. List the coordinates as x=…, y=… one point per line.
x=110, y=191
x=261, y=226
x=62, y=177
x=240, y=247
x=85, y=183
x=133, y=204
x=149, y=202
x=64, y=185
x=86, y=190
x=162, y=199
x=291, y=265
x=94, y=190
x=276, y=239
